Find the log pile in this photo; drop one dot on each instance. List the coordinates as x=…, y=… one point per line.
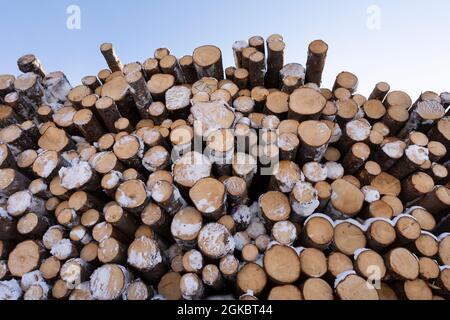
x=179, y=179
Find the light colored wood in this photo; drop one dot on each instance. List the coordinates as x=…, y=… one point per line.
x=111, y=57
x=209, y=197
x=348, y=200
x=314, y=137
x=346, y=80
x=313, y=262
x=251, y=278
x=354, y=287
x=208, y=62
x=317, y=290
x=132, y=195
x=380, y=234
x=402, y=264
x=275, y=206
x=282, y=265
x=275, y=62
x=25, y=257
x=338, y=263
x=306, y=104
x=367, y=261
x=317, y=54
x=348, y=238
x=380, y=91
x=297, y=185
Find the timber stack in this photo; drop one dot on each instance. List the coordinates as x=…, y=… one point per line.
x=173, y=179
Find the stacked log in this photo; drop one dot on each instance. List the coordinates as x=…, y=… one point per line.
x=176, y=179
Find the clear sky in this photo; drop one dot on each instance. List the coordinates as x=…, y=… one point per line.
x=403, y=42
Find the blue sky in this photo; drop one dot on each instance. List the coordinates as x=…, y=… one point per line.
x=410, y=50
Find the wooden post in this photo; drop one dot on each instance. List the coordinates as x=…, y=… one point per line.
x=129, y=150
x=208, y=62
x=12, y=181
x=416, y=186
x=188, y=68
x=30, y=63
x=7, y=159
x=423, y=117
x=170, y=65
x=111, y=57
x=257, y=68
x=314, y=138
x=140, y=92
x=346, y=80
x=356, y=158
x=380, y=91
x=411, y=161
x=167, y=196
x=275, y=62
x=159, y=84
x=317, y=54
x=374, y=110
x=441, y=132
x=435, y=201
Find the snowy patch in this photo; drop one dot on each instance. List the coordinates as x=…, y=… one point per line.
x=77, y=175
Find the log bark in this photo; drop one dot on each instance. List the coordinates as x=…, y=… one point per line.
x=140, y=92
x=209, y=197
x=411, y=161
x=275, y=62
x=30, y=63
x=356, y=158
x=441, y=132
x=7, y=159
x=12, y=181
x=208, y=62
x=256, y=68
x=314, y=137
x=436, y=201
x=188, y=68
x=423, y=117
x=111, y=57
x=317, y=55
x=380, y=91
x=170, y=65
